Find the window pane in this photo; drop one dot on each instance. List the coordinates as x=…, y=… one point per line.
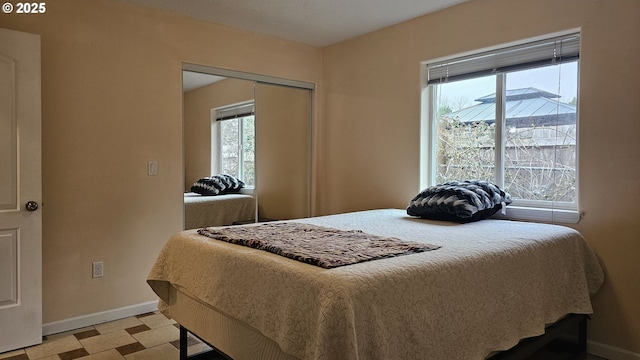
x=540, y=153
x=248, y=150
x=465, y=127
x=230, y=147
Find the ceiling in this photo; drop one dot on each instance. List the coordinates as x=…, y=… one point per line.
x=314, y=22
x=193, y=80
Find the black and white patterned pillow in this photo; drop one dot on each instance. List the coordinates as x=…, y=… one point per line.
x=459, y=201
x=217, y=184
x=231, y=183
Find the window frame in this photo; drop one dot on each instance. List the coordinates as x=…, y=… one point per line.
x=217, y=128
x=522, y=209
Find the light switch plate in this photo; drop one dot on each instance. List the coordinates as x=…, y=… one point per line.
x=152, y=168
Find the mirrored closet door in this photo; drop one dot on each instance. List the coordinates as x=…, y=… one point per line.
x=254, y=128
x=283, y=151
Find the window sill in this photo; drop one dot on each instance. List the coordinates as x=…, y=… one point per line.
x=540, y=215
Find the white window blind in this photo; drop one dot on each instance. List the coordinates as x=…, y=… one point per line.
x=533, y=54
x=234, y=112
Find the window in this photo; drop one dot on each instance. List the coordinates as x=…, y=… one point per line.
x=510, y=116
x=236, y=146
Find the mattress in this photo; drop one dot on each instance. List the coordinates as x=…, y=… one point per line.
x=490, y=284
x=202, y=211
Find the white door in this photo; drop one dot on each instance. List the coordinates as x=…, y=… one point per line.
x=20, y=184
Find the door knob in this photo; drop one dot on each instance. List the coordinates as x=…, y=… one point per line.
x=31, y=206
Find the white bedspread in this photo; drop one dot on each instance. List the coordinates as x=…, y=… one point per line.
x=492, y=283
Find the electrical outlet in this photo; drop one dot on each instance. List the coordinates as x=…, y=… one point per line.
x=98, y=269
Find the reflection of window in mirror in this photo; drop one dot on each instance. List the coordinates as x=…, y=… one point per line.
x=235, y=151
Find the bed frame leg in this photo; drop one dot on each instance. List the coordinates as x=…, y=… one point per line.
x=582, y=335
x=183, y=343
x=212, y=354
x=529, y=346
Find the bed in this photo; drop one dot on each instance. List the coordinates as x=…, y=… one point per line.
x=489, y=285
x=224, y=209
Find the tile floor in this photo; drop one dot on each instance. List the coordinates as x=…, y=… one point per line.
x=144, y=337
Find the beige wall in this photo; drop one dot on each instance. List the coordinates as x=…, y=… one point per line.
x=111, y=101
x=197, y=122
x=372, y=116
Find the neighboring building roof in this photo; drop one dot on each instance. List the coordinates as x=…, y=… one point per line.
x=524, y=107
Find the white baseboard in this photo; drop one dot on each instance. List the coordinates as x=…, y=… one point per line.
x=610, y=352
x=97, y=318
